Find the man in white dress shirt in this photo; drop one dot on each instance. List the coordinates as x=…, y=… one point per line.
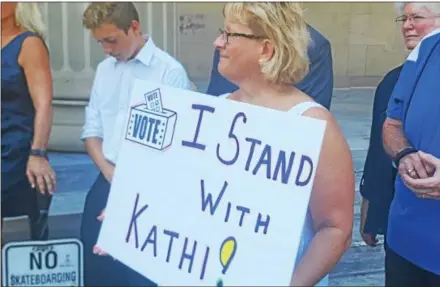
x=132, y=55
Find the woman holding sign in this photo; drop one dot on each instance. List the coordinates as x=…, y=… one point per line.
x=263, y=49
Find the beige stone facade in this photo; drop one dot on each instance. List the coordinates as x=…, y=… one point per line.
x=366, y=43
x=365, y=38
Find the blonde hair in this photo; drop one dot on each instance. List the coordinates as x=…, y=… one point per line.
x=121, y=14
x=28, y=17
x=284, y=25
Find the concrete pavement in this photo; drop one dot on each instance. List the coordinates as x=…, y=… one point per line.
x=361, y=265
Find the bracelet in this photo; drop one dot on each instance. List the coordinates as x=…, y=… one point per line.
x=38, y=152
x=401, y=154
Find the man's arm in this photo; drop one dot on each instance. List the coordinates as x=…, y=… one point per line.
x=94, y=149
x=395, y=142
x=177, y=78
x=393, y=137
x=93, y=134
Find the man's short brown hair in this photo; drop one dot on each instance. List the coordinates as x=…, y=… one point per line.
x=121, y=14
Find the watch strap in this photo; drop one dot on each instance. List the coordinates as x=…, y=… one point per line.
x=38, y=152
x=401, y=154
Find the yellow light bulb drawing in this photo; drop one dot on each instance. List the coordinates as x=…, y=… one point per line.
x=227, y=252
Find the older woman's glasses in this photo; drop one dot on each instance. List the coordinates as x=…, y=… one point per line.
x=225, y=35
x=414, y=18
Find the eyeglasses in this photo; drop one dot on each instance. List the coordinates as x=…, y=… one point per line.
x=226, y=36
x=414, y=18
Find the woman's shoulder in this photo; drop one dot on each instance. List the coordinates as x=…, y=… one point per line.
x=314, y=110
x=302, y=107
x=303, y=104
x=32, y=39
x=25, y=37
x=33, y=49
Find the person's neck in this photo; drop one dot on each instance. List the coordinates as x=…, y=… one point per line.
x=9, y=27
x=430, y=31
x=436, y=28
x=259, y=88
x=140, y=43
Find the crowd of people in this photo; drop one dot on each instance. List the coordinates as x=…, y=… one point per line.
x=265, y=55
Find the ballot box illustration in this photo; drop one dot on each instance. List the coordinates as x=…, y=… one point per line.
x=150, y=124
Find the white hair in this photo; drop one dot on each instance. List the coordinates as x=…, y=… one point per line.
x=433, y=7
x=28, y=16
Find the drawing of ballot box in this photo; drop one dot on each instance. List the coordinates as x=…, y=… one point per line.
x=151, y=128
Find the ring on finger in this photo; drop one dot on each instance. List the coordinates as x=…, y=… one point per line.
x=47, y=179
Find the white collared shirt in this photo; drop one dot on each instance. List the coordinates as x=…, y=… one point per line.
x=108, y=105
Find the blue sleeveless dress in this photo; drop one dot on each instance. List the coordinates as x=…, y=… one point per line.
x=17, y=122
x=308, y=229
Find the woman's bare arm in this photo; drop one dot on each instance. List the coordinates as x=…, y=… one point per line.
x=34, y=59
x=331, y=205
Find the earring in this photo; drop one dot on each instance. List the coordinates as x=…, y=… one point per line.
x=260, y=62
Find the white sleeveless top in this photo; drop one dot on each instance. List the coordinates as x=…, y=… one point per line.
x=299, y=109
x=308, y=230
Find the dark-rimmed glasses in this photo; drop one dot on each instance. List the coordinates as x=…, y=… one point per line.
x=226, y=36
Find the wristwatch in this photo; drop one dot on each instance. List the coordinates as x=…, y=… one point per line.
x=38, y=152
x=401, y=154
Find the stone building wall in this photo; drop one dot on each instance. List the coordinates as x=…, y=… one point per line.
x=366, y=43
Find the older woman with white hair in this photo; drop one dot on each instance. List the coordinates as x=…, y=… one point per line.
x=377, y=185
x=263, y=49
x=26, y=113
x=410, y=131
x=418, y=19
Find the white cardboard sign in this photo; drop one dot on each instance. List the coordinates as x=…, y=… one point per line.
x=209, y=191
